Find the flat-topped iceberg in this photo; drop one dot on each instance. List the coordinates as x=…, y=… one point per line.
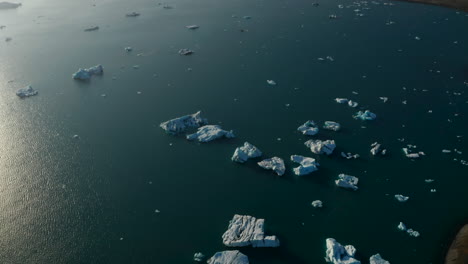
x=246, y=230
x=308, y=128
x=209, y=133
x=347, y=181
x=276, y=164
x=321, y=147
x=229, y=257
x=85, y=74
x=307, y=165
x=8, y=5
x=366, y=115
x=401, y=198
x=26, y=92
x=181, y=124
x=377, y=259
x=247, y=151
x=338, y=254
x=331, y=125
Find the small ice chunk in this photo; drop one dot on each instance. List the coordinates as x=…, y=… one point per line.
x=446, y=151
x=8, y=5
x=309, y=128
x=209, y=133
x=228, y=257
x=384, y=99
x=93, y=28
x=317, y=204
x=341, y=100
x=376, y=148
x=128, y=49
x=366, y=115
x=401, y=198
x=331, y=125
x=26, y=92
x=307, y=165
x=192, y=27
x=85, y=74
x=180, y=124
x=198, y=257
x=433, y=190
x=271, y=82
x=247, y=151
x=413, y=233
x=276, y=164
x=429, y=180
x=377, y=259
x=246, y=230
x=321, y=147
x=349, y=155
x=132, y=14
x=186, y=52
x=338, y=254
x=347, y=181
x=352, y=104
x=402, y=226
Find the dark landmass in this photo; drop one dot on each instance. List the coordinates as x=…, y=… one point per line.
x=457, y=4
x=458, y=252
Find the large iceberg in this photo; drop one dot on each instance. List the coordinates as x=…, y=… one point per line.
x=331, y=125
x=85, y=74
x=347, y=181
x=242, y=154
x=308, y=165
x=229, y=257
x=337, y=254
x=276, y=164
x=308, y=128
x=366, y=115
x=8, y=5
x=180, y=124
x=246, y=230
x=377, y=259
x=210, y=132
x=26, y=92
x=321, y=147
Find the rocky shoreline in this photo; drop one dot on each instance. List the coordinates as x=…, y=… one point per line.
x=458, y=251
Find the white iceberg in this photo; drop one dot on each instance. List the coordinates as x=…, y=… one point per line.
x=366, y=115
x=308, y=165
x=246, y=230
x=247, y=151
x=377, y=259
x=337, y=254
x=341, y=100
x=402, y=226
x=410, y=154
x=413, y=233
x=321, y=147
x=198, y=257
x=401, y=198
x=347, y=181
x=331, y=125
x=8, y=5
x=317, y=204
x=186, y=51
x=276, y=164
x=180, y=124
x=271, y=82
x=85, y=74
x=352, y=104
x=229, y=257
x=26, y=92
x=210, y=132
x=377, y=148
x=308, y=128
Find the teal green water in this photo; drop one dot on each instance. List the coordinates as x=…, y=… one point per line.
x=93, y=199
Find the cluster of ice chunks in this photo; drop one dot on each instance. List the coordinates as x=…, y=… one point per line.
x=26, y=92
x=276, y=164
x=246, y=230
x=347, y=181
x=411, y=153
x=247, y=151
x=376, y=149
x=349, y=155
x=321, y=147
x=350, y=103
x=85, y=74
x=309, y=128
x=410, y=231
x=307, y=165
x=366, y=115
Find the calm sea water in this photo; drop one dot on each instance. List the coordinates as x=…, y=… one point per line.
x=94, y=199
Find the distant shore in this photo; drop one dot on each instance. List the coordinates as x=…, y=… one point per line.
x=458, y=251
x=461, y=5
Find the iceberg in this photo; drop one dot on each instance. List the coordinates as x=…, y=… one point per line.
x=377, y=148
x=209, y=133
x=317, y=204
x=198, y=257
x=132, y=14
x=409, y=154
x=85, y=74
x=8, y=5
x=352, y=104
x=180, y=124
x=271, y=82
x=401, y=198
x=349, y=155
x=185, y=52
x=377, y=259
x=247, y=151
x=91, y=29
x=192, y=27
x=276, y=164
x=347, y=181
x=411, y=232
x=308, y=165
x=341, y=100
x=308, y=128
x=366, y=115
x=246, y=230
x=337, y=254
x=402, y=226
x=26, y=92
x=128, y=49
x=229, y=257
x=331, y=125
x=321, y=147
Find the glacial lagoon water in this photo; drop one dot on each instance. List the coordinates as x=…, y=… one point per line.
x=123, y=191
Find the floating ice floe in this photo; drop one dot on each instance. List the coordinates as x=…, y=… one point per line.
x=321, y=147
x=246, y=230
x=412, y=155
x=85, y=74
x=209, y=133
x=309, y=128
x=198, y=257
x=347, y=181
x=271, y=82
x=317, y=204
x=366, y=115
x=377, y=259
x=186, y=51
x=276, y=164
x=349, y=155
x=192, y=27
x=94, y=28
x=384, y=99
x=332, y=16
x=8, y=5
x=128, y=49
x=247, y=151
x=401, y=198
x=402, y=226
x=331, y=125
x=26, y=92
x=410, y=231
x=341, y=100
x=308, y=165
x=446, y=151
x=376, y=149
x=338, y=254
x=229, y=257
x=180, y=124
x=132, y=14
x=429, y=180
x=352, y=104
